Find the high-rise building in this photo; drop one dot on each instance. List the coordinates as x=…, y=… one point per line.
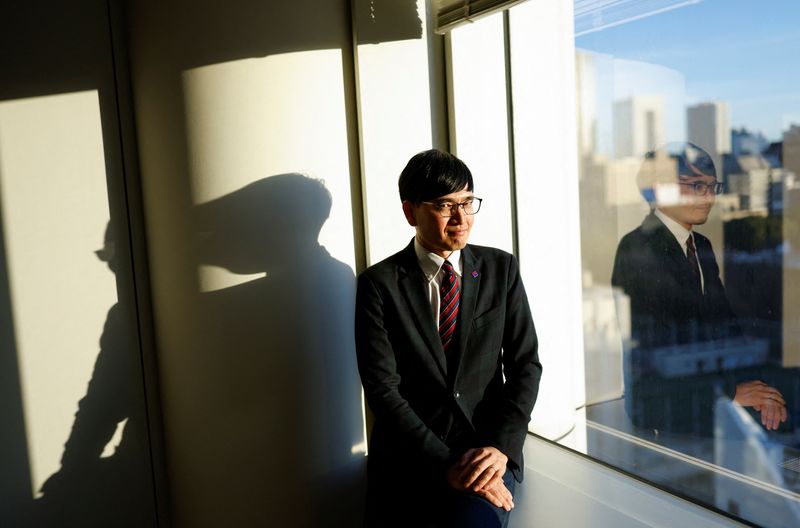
x=791, y=149
x=638, y=125
x=708, y=127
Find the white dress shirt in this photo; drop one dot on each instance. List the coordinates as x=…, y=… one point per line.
x=682, y=235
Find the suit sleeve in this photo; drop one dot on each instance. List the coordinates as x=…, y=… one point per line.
x=521, y=368
x=379, y=376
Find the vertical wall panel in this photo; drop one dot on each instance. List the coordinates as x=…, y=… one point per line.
x=71, y=353
x=543, y=91
x=395, y=111
x=480, y=116
x=244, y=130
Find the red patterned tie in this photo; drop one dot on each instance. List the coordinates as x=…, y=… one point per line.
x=448, y=307
x=691, y=256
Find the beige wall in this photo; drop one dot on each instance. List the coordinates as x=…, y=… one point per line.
x=248, y=132
x=71, y=384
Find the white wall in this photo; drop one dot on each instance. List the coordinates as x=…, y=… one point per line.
x=543, y=91
x=395, y=116
x=480, y=116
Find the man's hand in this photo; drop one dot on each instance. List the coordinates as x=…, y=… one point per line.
x=481, y=471
x=765, y=399
x=480, y=466
x=772, y=414
x=494, y=491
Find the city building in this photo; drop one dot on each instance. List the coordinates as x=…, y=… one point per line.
x=638, y=125
x=708, y=126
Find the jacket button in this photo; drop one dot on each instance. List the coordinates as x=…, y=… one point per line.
x=457, y=394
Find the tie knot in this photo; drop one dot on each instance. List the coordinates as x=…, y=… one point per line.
x=447, y=267
x=690, y=242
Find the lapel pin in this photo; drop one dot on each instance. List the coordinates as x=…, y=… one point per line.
x=475, y=274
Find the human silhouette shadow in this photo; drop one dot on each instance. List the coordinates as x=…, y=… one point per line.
x=278, y=378
x=90, y=489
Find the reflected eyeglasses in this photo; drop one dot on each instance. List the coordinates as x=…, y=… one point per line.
x=701, y=189
x=448, y=209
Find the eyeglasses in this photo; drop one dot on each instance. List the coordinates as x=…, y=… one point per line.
x=702, y=189
x=448, y=209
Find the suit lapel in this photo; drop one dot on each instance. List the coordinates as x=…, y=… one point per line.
x=412, y=285
x=668, y=246
x=470, y=288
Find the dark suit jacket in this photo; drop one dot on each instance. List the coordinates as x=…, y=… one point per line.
x=428, y=408
x=668, y=311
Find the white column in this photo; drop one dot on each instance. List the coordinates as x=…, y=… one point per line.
x=545, y=145
x=480, y=124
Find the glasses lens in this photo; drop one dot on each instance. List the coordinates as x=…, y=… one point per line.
x=475, y=205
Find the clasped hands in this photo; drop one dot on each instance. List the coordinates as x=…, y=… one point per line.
x=765, y=399
x=481, y=471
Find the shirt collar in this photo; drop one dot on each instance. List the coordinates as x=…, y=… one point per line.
x=680, y=233
x=431, y=263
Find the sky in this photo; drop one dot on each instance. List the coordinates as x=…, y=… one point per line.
x=746, y=52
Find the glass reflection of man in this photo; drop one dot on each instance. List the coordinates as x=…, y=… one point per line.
x=680, y=315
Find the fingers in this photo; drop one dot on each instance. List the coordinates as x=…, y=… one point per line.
x=505, y=495
x=768, y=417
x=495, y=479
x=753, y=393
x=499, y=496
x=481, y=466
x=483, y=479
x=772, y=415
x=771, y=393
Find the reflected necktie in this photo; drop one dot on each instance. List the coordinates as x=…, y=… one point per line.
x=691, y=256
x=448, y=305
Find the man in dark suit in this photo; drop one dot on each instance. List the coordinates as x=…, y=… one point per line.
x=447, y=354
x=681, y=321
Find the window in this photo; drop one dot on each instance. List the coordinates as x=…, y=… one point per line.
x=618, y=125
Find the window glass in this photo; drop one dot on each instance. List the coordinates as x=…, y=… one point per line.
x=688, y=141
x=655, y=149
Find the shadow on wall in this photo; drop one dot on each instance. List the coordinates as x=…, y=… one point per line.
x=63, y=49
x=92, y=489
x=281, y=428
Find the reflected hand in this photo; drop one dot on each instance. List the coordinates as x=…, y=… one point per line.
x=765, y=399
x=772, y=414
x=752, y=393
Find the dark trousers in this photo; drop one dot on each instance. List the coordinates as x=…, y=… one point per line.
x=434, y=507
x=471, y=511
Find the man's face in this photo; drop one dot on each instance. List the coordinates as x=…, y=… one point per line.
x=692, y=209
x=435, y=233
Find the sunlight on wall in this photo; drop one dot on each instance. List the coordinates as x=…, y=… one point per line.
x=547, y=183
x=481, y=125
x=55, y=211
x=255, y=118
x=395, y=113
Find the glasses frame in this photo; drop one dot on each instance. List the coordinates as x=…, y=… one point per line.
x=456, y=206
x=702, y=189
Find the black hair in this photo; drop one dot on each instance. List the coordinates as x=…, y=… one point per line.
x=431, y=174
x=690, y=160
